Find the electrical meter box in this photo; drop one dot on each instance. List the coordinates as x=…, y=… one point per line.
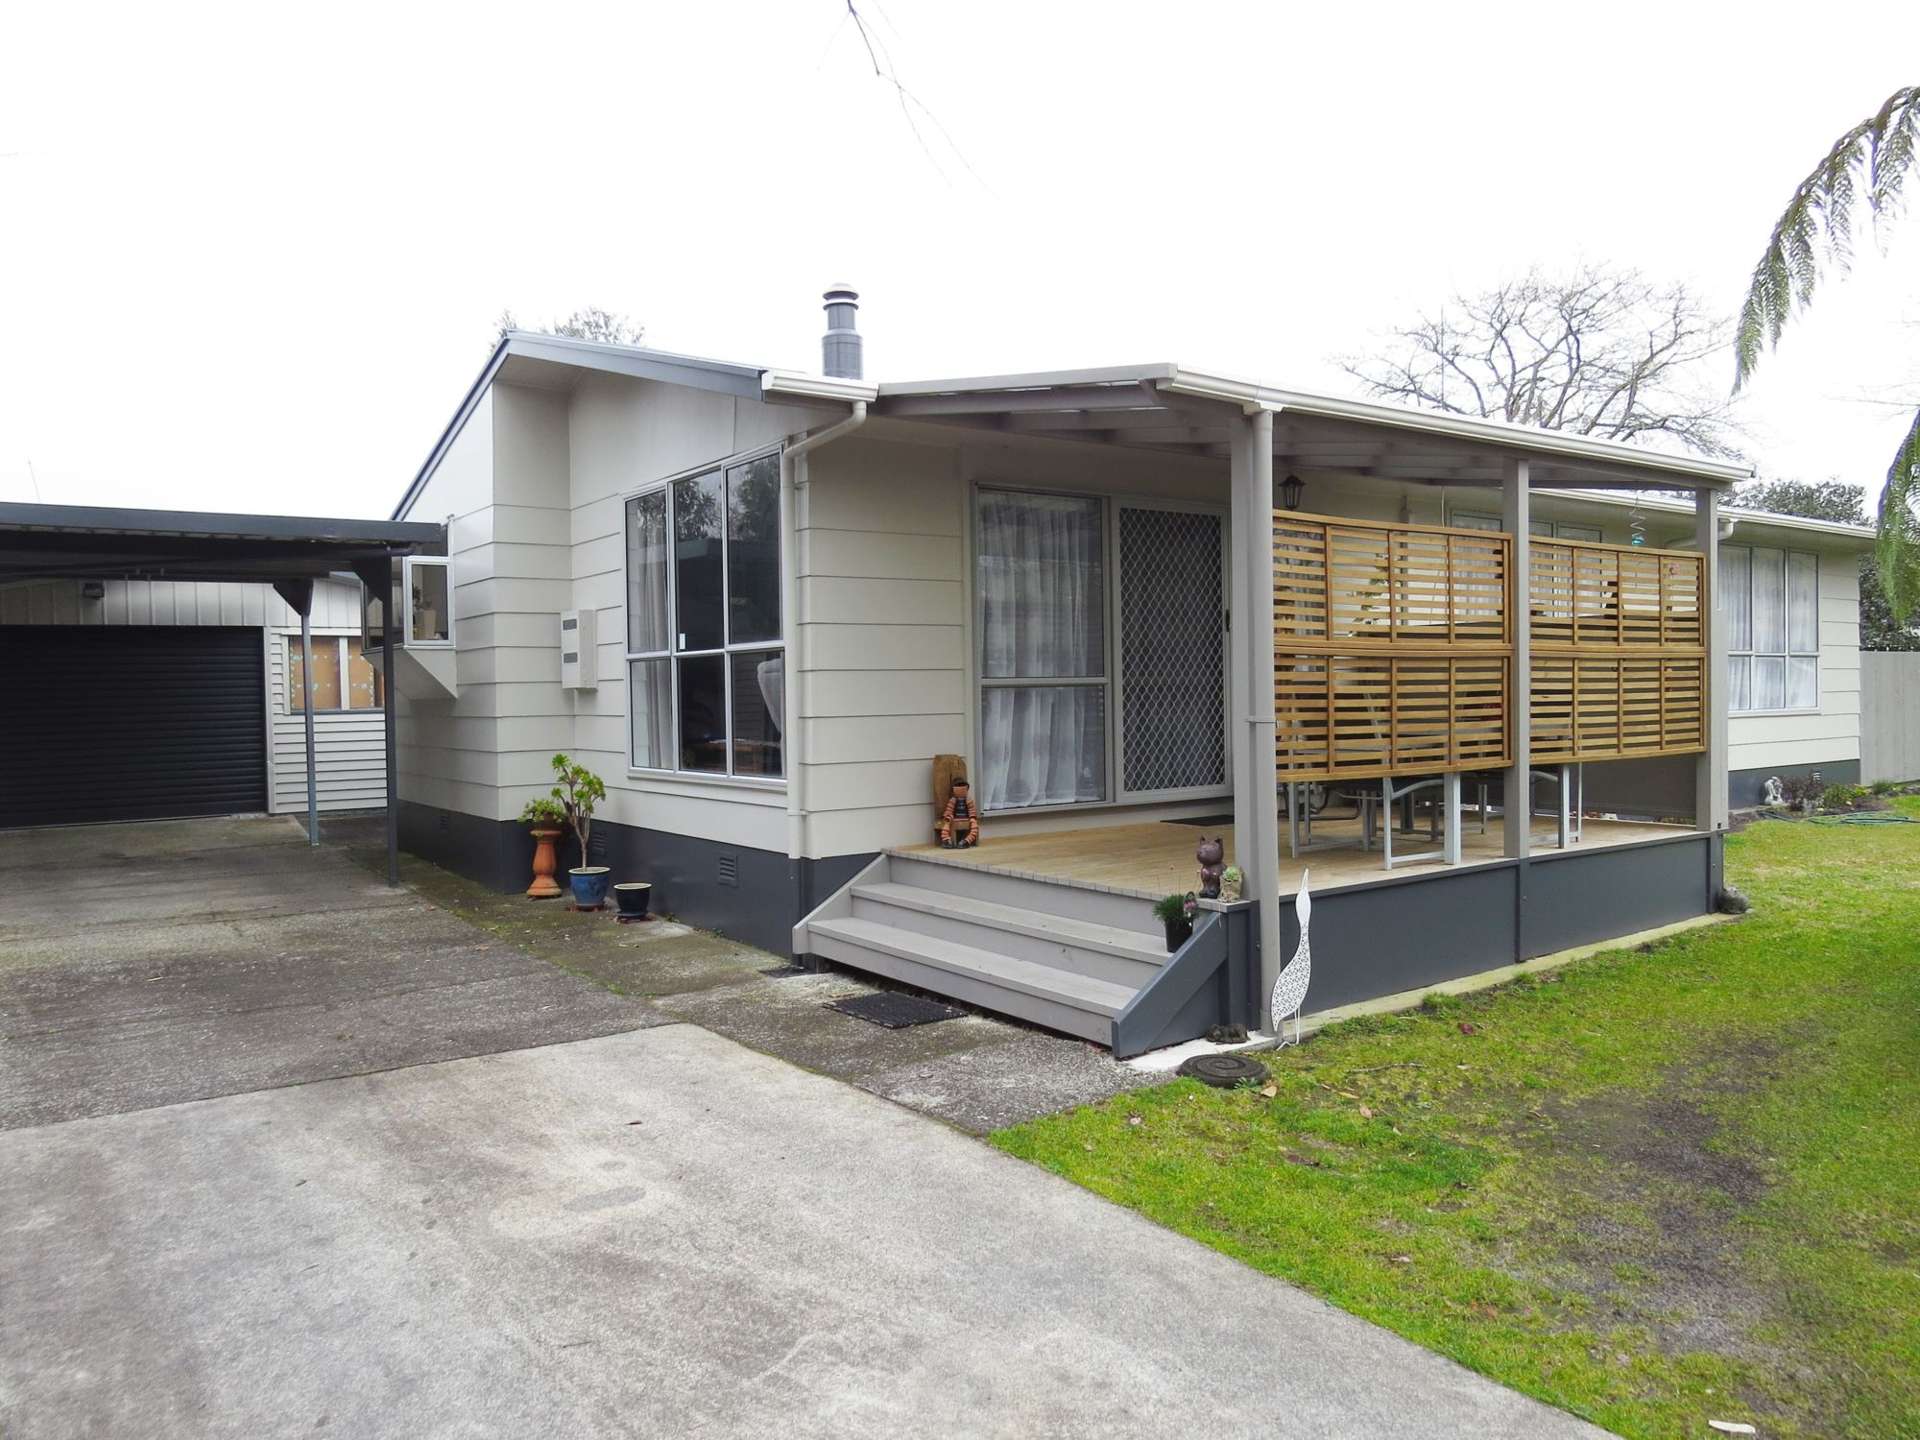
x=577, y=658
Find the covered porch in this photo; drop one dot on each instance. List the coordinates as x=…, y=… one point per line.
x=1369, y=651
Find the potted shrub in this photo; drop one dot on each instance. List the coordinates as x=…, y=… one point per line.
x=578, y=792
x=547, y=819
x=1176, y=912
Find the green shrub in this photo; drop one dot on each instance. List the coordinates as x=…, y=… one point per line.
x=1840, y=797
x=1174, y=907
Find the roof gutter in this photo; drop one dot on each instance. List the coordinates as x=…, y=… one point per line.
x=1251, y=396
x=793, y=477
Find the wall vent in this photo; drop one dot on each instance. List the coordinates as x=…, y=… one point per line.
x=730, y=870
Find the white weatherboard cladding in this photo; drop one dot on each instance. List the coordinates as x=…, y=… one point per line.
x=447, y=749
x=624, y=435
x=886, y=602
x=349, y=746
x=1832, y=731
x=350, y=762
x=534, y=485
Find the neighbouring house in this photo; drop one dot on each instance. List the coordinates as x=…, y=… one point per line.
x=183, y=697
x=1462, y=671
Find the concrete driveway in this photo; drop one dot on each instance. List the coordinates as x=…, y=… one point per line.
x=589, y=1227
x=146, y=964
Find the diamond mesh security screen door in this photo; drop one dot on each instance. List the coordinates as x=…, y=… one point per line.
x=1172, y=652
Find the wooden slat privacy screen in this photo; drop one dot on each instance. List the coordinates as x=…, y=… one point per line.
x=1392, y=647
x=1619, y=652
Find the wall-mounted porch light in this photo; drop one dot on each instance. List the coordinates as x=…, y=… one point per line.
x=1291, y=489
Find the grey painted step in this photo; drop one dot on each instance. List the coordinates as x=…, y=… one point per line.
x=1075, y=1004
x=1102, y=907
x=1082, y=947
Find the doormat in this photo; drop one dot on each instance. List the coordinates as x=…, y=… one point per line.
x=1206, y=822
x=894, y=1010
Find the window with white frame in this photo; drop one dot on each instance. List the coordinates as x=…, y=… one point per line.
x=706, y=669
x=1773, y=628
x=343, y=677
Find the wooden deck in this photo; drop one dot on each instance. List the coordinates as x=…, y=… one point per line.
x=1156, y=858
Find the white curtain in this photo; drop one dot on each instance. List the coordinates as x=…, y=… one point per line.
x=1042, y=587
x=647, y=573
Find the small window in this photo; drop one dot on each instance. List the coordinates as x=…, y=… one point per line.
x=429, y=601
x=366, y=685
x=343, y=677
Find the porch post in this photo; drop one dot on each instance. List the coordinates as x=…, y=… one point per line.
x=1515, y=509
x=1710, y=771
x=1260, y=718
x=1239, y=663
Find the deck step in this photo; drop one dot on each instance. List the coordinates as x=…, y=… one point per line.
x=1058, y=999
x=1085, y=947
x=1050, y=896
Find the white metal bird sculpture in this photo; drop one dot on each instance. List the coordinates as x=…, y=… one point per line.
x=1290, y=990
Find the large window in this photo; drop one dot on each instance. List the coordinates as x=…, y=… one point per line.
x=343, y=678
x=706, y=671
x=1773, y=623
x=1041, y=581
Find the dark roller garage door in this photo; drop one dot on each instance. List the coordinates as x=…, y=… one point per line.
x=130, y=723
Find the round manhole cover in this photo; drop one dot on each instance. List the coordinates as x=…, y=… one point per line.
x=1222, y=1071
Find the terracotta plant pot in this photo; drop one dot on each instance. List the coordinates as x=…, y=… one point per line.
x=545, y=862
x=633, y=897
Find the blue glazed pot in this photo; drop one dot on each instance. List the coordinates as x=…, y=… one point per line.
x=590, y=885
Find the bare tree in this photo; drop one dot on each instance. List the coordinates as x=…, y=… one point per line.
x=1601, y=352
x=605, y=327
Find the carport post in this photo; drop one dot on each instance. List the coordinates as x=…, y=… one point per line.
x=306, y=686
x=299, y=597
x=393, y=762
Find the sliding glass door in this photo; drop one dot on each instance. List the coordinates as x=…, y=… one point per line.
x=1041, y=584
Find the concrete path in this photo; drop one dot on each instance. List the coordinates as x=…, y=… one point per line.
x=649, y=1234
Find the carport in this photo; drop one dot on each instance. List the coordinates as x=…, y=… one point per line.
x=288, y=552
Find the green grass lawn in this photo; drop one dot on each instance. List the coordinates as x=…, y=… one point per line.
x=1653, y=1188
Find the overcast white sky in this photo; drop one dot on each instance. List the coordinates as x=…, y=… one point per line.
x=250, y=258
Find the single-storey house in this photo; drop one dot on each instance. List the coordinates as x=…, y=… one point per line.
x=1468, y=674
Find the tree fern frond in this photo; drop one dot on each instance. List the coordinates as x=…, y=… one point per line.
x=1818, y=222
x=1898, y=549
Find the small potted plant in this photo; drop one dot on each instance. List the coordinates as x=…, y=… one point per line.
x=577, y=793
x=547, y=819
x=1176, y=912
